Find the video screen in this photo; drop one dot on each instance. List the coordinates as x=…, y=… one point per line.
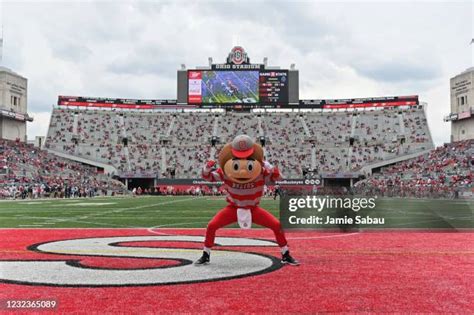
x=223, y=87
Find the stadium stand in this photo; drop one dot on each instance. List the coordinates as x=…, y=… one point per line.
x=446, y=171
x=233, y=124
x=26, y=171
x=327, y=141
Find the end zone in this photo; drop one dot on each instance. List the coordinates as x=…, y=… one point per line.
x=371, y=272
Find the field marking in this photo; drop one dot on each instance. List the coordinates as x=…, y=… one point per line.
x=103, y=224
x=98, y=213
x=137, y=249
x=150, y=230
x=319, y=252
x=417, y=222
x=55, y=220
x=112, y=228
x=86, y=204
x=318, y=237
x=101, y=198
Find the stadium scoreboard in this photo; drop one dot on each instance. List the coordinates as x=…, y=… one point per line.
x=238, y=82
x=273, y=87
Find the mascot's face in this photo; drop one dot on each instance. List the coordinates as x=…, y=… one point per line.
x=241, y=160
x=242, y=171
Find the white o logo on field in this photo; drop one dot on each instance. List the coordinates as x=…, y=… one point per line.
x=225, y=264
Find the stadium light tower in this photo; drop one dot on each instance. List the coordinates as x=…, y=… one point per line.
x=265, y=61
x=210, y=62
x=183, y=66
x=471, y=43
x=292, y=66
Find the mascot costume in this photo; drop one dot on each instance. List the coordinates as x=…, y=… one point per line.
x=244, y=173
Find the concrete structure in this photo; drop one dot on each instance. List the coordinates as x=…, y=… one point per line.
x=38, y=142
x=462, y=106
x=13, y=105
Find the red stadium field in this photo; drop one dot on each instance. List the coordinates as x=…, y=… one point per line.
x=357, y=272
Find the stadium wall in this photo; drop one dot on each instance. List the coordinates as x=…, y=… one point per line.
x=462, y=106
x=462, y=129
x=12, y=129
x=13, y=105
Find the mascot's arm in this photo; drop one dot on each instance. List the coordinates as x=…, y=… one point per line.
x=209, y=173
x=272, y=173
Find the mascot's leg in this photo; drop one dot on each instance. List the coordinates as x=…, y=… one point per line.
x=224, y=217
x=264, y=218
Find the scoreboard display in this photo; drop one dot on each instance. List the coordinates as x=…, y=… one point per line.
x=227, y=87
x=238, y=84
x=273, y=87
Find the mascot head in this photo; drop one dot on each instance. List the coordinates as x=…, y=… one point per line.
x=241, y=160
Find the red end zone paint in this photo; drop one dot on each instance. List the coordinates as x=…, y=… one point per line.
x=366, y=272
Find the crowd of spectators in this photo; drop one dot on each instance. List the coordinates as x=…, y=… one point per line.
x=232, y=124
x=329, y=128
x=283, y=128
x=26, y=171
x=187, y=160
x=145, y=128
x=192, y=128
x=176, y=144
x=446, y=171
x=160, y=142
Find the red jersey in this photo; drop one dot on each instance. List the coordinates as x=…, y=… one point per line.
x=244, y=195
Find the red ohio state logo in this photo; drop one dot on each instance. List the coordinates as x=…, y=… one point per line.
x=238, y=55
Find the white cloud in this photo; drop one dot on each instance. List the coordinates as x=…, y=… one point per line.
x=132, y=49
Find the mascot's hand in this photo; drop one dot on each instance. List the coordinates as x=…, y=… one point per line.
x=209, y=165
x=268, y=166
x=273, y=170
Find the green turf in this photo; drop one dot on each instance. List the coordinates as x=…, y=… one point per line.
x=189, y=212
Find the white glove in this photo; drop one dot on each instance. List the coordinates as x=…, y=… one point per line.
x=267, y=165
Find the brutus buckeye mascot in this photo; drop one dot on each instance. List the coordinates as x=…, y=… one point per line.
x=244, y=173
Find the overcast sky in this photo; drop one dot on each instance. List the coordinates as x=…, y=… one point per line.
x=133, y=49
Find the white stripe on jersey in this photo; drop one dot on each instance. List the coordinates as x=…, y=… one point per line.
x=243, y=192
x=243, y=203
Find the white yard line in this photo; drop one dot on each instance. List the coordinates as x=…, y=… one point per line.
x=98, y=213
